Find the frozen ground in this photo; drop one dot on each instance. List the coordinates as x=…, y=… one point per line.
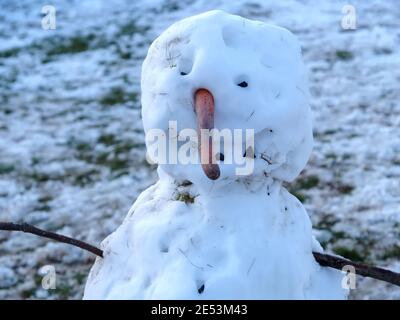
x=71, y=142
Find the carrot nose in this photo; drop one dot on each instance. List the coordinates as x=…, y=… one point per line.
x=204, y=108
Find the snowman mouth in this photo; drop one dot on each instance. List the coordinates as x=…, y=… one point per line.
x=204, y=108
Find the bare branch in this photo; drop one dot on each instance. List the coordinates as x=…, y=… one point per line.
x=361, y=269
x=24, y=227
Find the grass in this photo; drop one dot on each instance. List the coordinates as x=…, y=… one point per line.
x=39, y=176
x=396, y=161
x=338, y=235
x=84, y=178
x=185, y=197
x=6, y=168
x=28, y=293
x=327, y=221
x=170, y=6
x=350, y=254
x=307, y=182
x=43, y=208
x=62, y=45
x=83, y=146
x=331, y=155
x=113, y=162
x=302, y=197
x=7, y=111
x=45, y=199
x=117, y=95
x=303, y=183
x=329, y=132
x=106, y=159
x=73, y=177
x=131, y=28
x=345, y=188
x=63, y=291
x=124, y=53
x=107, y=139
x=126, y=146
x=8, y=53
x=59, y=45
x=116, y=157
x=393, y=252
x=344, y=55
x=80, y=277
x=383, y=51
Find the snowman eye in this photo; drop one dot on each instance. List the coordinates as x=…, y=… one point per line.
x=241, y=80
x=185, y=66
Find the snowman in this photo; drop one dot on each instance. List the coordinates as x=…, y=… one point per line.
x=206, y=229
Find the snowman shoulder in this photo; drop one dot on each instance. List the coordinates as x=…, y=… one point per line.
x=146, y=196
x=290, y=200
x=291, y=206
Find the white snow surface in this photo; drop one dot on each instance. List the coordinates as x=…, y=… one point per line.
x=236, y=237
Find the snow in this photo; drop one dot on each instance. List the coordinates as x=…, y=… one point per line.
x=52, y=114
x=242, y=237
x=7, y=277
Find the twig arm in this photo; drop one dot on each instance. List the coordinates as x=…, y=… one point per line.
x=361, y=269
x=24, y=227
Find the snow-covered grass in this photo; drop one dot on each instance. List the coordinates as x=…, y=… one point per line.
x=72, y=156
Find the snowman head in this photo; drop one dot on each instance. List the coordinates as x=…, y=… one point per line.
x=221, y=71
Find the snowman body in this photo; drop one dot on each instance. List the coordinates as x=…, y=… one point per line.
x=238, y=236
x=252, y=242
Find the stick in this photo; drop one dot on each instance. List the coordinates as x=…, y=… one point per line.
x=24, y=227
x=323, y=259
x=361, y=269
